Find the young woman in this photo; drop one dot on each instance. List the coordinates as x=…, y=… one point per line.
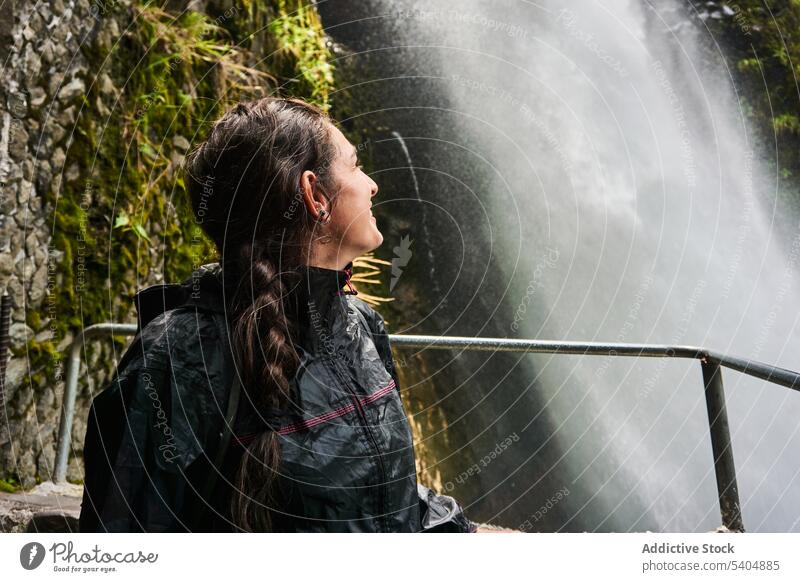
x=321, y=441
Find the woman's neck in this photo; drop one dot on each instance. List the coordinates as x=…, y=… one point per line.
x=333, y=261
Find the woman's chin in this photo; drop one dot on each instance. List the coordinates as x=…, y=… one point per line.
x=368, y=244
x=379, y=239
x=378, y=233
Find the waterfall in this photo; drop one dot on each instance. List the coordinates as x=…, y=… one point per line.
x=596, y=161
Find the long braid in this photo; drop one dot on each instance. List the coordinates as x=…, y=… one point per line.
x=243, y=181
x=259, y=311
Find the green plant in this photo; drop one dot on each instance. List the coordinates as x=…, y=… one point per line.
x=761, y=39
x=9, y=485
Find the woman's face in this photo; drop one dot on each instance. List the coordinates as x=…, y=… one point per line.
x=352, y=224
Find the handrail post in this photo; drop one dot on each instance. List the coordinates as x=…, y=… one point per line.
x=68, y=410
x=721, y=446
x=71, y=390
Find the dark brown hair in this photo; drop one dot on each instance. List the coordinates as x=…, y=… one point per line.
x=244, y=185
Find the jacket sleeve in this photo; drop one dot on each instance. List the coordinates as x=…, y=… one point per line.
x=442, y=513
x=142, y=434
x=438, y=513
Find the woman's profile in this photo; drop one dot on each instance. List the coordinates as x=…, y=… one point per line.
x=318, y=439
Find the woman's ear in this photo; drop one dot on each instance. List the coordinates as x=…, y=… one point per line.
x=313, y=201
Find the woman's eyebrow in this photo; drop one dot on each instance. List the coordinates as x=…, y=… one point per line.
x=355, y=153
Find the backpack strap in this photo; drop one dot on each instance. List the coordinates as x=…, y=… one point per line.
x=234, y=393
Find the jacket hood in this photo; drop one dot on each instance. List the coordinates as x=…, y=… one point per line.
x=314, y=294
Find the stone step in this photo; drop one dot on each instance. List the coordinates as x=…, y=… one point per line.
x=48, y=507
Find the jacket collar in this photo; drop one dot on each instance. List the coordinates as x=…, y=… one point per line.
x=316, y=290
x=315, y=293
x=320, y=282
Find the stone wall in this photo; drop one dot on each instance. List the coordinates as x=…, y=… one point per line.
x=86, y=98
x=45, y=80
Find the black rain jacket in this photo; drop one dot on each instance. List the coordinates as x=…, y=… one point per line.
x=156, y=434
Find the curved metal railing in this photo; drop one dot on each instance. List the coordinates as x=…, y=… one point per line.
x=710, y=364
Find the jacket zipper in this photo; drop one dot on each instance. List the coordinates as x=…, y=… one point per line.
x=363, y=416
x=384, y=475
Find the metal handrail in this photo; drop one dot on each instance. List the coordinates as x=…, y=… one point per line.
x=710, y=364
x=71, y=389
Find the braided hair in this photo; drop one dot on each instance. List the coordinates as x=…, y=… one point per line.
x=244, y=186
